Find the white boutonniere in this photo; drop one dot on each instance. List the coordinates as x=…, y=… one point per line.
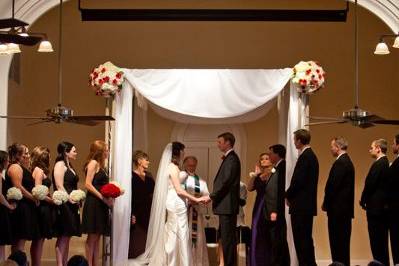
x=273, y=170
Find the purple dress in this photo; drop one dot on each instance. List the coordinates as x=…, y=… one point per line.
x=260, y=254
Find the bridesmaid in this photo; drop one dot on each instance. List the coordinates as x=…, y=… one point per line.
x=96, y=208
x=40, y=158
x=5, y=208
x=67, y=218
x=24, y=219
x=142, y=190
x=260, y=246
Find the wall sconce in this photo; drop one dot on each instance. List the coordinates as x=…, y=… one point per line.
x=382, y=47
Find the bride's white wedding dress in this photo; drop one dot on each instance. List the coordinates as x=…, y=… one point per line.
x=168, y=241
x=177, y=239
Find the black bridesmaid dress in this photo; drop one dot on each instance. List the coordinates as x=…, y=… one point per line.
x=46, y=214
x=95, y=212
x=67, y=221
x=5, y=228
x=25, y=218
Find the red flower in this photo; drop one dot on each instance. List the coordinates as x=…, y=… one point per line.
x=110, y=191
x=115, y=81
x=308, y=71
x=119, y=75
x=106, y=79
x=103, y=70
x=101, y=81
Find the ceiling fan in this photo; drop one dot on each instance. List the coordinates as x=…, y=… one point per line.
x=355, y=116
x=61, y=113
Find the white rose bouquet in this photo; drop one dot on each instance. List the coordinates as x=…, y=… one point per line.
x=60, y=197
x=40, y=192
x=106, y=79
x=77, y=195
x=14, y=194
x=308, y=77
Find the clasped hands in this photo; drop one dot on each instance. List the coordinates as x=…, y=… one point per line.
x=204, y=200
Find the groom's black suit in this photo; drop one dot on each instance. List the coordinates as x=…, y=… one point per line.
x=225, y=202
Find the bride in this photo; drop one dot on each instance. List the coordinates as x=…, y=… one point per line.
x=168, y=241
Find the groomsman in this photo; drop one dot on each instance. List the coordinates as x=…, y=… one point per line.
x=301, y=198
x=339, y=201
x=374, y=201
x=226, y=197
x=393, y=202
x=274, y=199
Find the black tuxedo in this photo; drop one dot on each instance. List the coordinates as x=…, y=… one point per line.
x=339, y=204
x=374, y=200
x=393, y=206
x=225, y=203
x=277, y=230
x=302, y=198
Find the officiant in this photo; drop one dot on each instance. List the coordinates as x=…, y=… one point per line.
x=197, y=187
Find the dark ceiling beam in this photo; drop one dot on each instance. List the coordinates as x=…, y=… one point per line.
x=212, y=15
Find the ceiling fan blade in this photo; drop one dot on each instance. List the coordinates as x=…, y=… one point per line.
x=324, y=118
x=374, y=118
x=386, y=122
x=82, y=122
x=366, y=125
x=326, y=123
x=15, y=38
x=92, y=117
x=23, y=117
x=12, y=22
x=40, y=122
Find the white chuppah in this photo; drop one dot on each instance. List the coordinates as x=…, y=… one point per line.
x=198, y=94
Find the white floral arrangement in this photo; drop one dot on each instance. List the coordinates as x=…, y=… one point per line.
x=40, y=192
x=77, y=195
x=119, y=186
x=308, y=77
x=14, y=194
x=273, y=170
x=60, y=197
x=106, y=79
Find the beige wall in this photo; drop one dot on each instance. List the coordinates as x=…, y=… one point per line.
x=214, y=45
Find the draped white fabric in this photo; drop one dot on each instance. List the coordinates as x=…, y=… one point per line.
x=209, y=93
x=196, y=93
x=122, y=172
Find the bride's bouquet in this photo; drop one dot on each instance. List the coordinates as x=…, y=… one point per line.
x=77, y=195
x=60, y=197
x=40, y=192
x=14, y=194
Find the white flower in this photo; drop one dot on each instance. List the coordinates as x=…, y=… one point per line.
x=14, y=194
x=119, y=186
x=301, y=66
x=77, y=195
x=40, y=192
x=273, y=170
x=60, y=197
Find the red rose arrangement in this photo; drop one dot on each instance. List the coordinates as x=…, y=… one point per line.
x=110, y=191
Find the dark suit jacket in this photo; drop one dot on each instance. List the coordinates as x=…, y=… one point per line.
x=302, y=193
x=226, y=186
x=393, y=191
x=339, y=194
x=374, y=196
x=271, y=194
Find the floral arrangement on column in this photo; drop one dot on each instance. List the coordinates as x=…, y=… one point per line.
x=308, y=77
x=106, y=79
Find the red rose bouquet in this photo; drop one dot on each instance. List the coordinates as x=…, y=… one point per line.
x=110, y=191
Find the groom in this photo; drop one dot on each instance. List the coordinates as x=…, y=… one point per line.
x=226, y=197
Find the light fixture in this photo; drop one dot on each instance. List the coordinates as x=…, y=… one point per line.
x=14, y=32
x=396, y=43
x=382, y=47
x=3, y=49
x=45, y=47
x=13, y=48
